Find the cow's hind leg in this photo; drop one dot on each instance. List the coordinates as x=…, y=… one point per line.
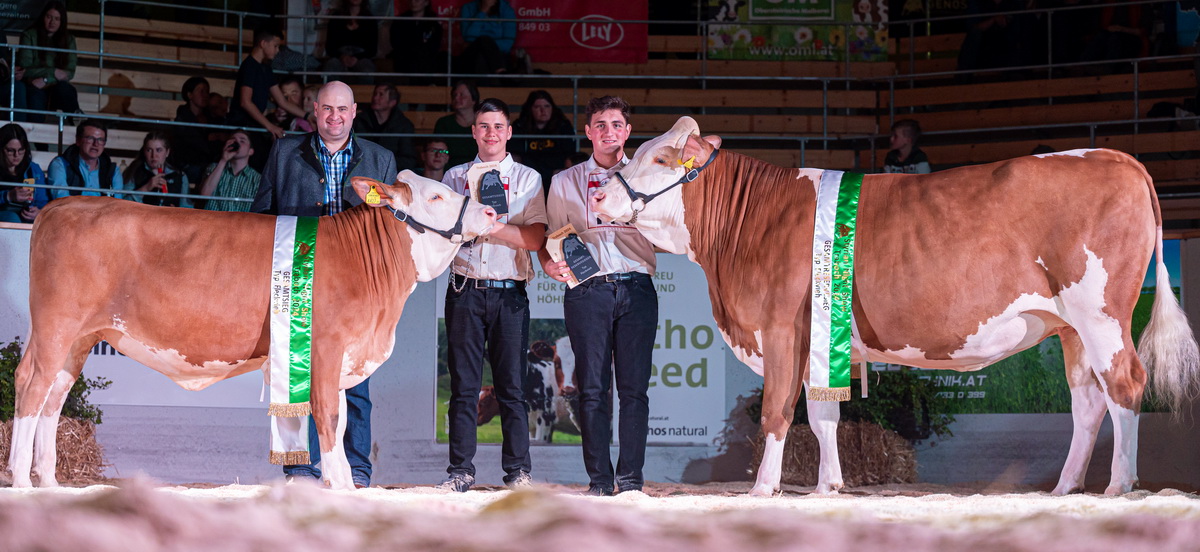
x=1124, y=384
x=44, y=378
x=781, y=389
x=1087, y=411
x=823, y=419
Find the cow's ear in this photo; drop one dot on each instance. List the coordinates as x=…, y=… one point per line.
x=371, y=191
x=714, y=140
x=696, y=151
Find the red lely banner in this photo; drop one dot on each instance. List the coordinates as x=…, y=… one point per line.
x=594, y=34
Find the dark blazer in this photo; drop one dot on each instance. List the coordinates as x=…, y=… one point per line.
x=293, y=182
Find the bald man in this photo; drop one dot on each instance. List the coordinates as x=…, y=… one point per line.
x=309, y=175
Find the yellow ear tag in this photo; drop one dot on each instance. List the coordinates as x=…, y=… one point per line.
x=687, y=164
x=373, y=196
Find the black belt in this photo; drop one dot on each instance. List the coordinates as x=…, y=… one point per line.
x=621, y=276
x=493, y=284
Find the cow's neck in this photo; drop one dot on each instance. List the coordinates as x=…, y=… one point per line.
x=740, y=202
x=375, y=245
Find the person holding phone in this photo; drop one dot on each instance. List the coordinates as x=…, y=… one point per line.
x=152, y=173
x=612, y=317
x=20, y=203
x=232, y=176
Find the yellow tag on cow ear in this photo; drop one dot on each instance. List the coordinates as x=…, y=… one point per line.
x=373, y=196
x=688, y=164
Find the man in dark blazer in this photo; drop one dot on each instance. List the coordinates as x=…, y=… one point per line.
x=309, y=175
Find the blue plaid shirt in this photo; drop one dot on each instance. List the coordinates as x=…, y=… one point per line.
x=336, y=165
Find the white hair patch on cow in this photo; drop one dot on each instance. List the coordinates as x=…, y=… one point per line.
x=909, y=356
x=173, y=365
x=814, y=175
x=770, y=470
x=1083, y=308
x=1041, y=262
x=754, y=358
x=118, y=324
x=1010, y=331
x=1071, y=153
x=1125, y=434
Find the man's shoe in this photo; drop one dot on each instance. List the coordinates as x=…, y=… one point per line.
x=521, y=479
x=457, y=482
x=599, y=490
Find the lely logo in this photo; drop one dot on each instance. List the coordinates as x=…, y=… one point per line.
x=598, y=32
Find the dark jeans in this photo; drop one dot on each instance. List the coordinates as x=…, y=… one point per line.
x=356, y=442
x=613, y=322
x=496, y=321
x=60, y=95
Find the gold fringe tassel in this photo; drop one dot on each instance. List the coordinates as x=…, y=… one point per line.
x=288, y=458
x=290, y=410
x=829, y=394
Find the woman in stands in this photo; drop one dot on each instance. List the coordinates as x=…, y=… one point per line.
x=20, y=203
x=48, y=74
x=546, y=154
x=151, y=173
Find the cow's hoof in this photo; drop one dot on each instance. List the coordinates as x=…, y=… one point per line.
x=47, y=483
x=1118, y=489
x=22, y=483
x=339, y=485
x=828, y=488
x=762, y=490
x=1064, y=489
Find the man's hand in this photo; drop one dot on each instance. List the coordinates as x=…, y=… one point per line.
x=557, y=270
x=30, y=212
x=38, y=83
x=19, y=73
x=21, y=195
x=275, y=130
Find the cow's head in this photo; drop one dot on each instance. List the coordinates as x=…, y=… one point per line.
x=438, y=218
x=648, y=191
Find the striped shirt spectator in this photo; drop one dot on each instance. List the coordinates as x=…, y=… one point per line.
x=232, y=176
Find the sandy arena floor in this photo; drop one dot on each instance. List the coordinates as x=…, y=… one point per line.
x=138, y=515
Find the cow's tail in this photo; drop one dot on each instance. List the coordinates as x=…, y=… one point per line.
x=1168, y=346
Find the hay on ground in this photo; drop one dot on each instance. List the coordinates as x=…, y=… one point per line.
x=80, y=457
x=870, y=455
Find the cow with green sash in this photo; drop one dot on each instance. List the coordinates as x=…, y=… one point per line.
x=812, y=270
x=202, y=296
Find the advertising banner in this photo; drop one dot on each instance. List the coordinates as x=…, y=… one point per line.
x=687, y=381
x=595, y=33
x=18, y=15
x=775, y=30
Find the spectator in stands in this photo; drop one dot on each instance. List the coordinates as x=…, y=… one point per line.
x=150, y=172
x=351, y=43
x=309, y=99
x=292, y=93
x=218, y=106
x=309, y=175
x=489, y=42
x=384, y=116
x=48, y=74
x=1123, y=33
x=255, y=86
x=540, y=115
x=194, y=146
x=905, y=157
x=7, y=75
x=232, y=176
x=85, y=165
x=993, y=39
x=434, y=155
x=416, y=43
x=463, y=98
x=20, y=203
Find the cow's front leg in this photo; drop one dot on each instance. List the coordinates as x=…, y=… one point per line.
x=781, y=389
x=823, y=419
x=335, y=469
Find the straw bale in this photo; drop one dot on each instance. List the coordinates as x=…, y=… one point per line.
x=80, y=457
x=870, y=455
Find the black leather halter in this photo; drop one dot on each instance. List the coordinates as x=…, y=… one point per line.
x=636, y=197
x=450, y=234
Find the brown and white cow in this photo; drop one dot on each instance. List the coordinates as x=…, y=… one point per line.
x=186, y=292
x=551, y=395
x=954, y=270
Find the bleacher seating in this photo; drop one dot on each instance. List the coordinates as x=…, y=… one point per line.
x=843, y=126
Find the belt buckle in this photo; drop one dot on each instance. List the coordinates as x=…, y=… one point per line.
x=614, y=277
x=481, y=284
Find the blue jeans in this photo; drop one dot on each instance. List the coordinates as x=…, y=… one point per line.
x=612, y=324
x=60, y=95
x=357, y=440
x=496, y=320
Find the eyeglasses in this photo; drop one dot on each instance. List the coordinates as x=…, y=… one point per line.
x=440, y=151
x=95, y=139
x=18, y=151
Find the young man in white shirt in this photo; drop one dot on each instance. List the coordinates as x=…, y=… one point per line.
x=487, y=310
x=611, y=317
